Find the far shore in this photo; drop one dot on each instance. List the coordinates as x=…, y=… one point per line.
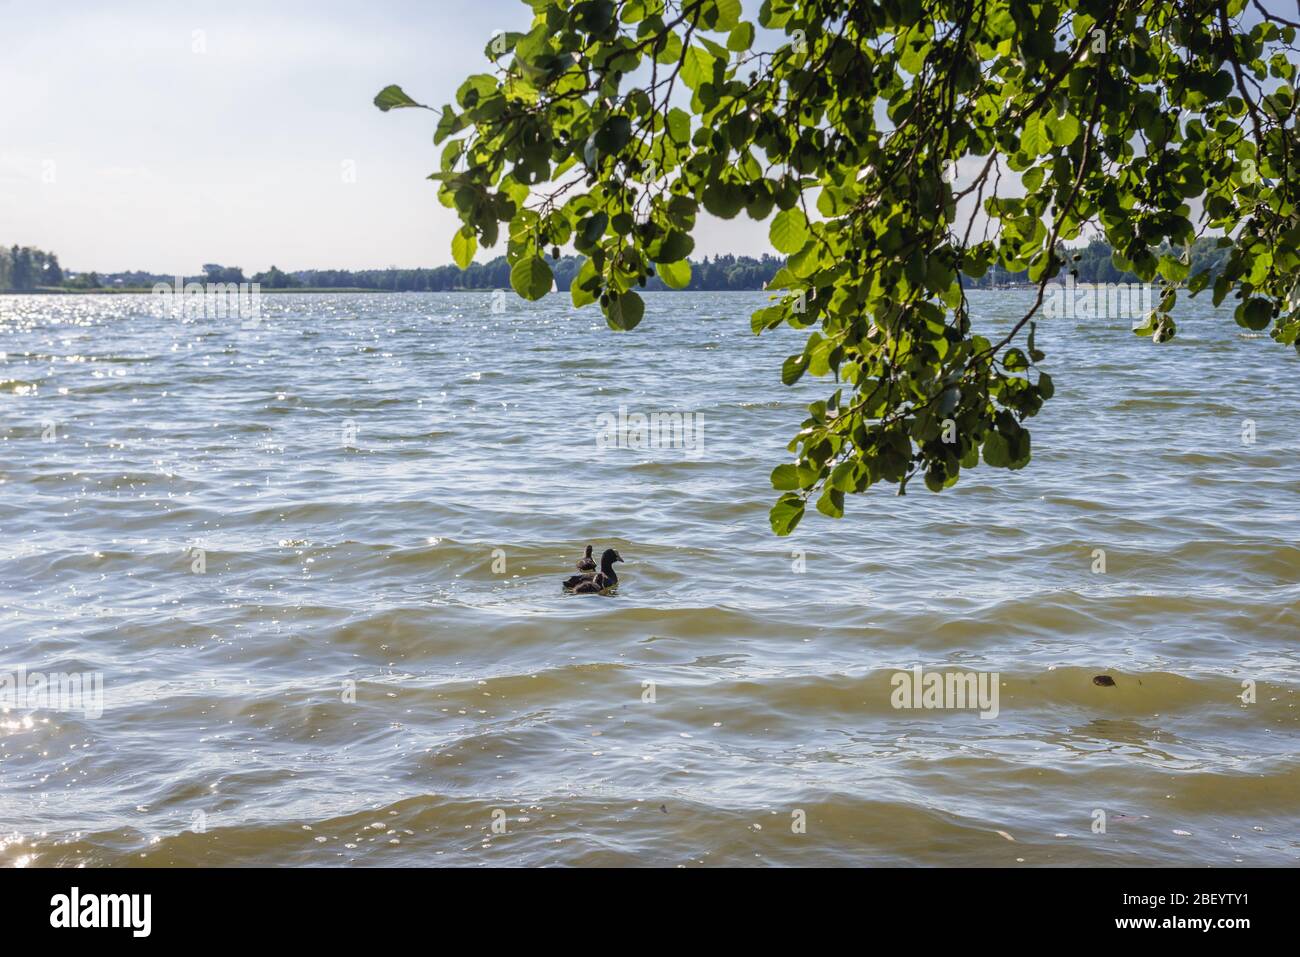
x=148, y=290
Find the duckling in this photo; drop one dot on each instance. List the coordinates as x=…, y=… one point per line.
x=587, y=563
x=597, y=586
x=598, y=583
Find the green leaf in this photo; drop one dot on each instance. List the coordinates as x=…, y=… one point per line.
x=785, y=477
x=675, y=275
x=1063, y=130
x=448, y=123
x=723, y=199
x=766, y=318
x=729, y=12
x=786, y=513
x=679, y=124
x=584, y=287
x=625, y=312
x=1035, y=139
x=593, y=227
x=670, y=49
x=391, y=98
x=741, y=38
x=531, y=277
x=613, y=136
x=1172, y=268
x=463, y=246
x=831, y=503
x=475, y=88
x=1254, y=314
x=673, y=246
x=697, y=67
x=789, y=230
x=996, y=451
x=1147, y=327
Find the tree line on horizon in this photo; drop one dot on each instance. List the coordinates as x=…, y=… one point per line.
x=26, y=268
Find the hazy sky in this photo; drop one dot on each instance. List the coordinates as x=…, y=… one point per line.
x=130, y=141
x=161, y=136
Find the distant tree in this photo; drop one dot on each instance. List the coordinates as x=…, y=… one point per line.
x=53, y=273
x=21, y=276
x=610, y=124
x=273, y=278
x=214, y=273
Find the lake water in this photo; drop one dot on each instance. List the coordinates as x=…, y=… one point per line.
x=316, y=566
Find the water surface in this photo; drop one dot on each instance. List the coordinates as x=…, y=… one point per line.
x=374, y=662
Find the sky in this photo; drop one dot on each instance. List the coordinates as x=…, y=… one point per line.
x=162, y=136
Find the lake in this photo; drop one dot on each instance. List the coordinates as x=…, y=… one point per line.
x=315, y=564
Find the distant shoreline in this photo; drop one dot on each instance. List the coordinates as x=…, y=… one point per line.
x=147, y=290
x=321, y=290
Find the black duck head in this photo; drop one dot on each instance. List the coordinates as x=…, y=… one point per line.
x=610, y=557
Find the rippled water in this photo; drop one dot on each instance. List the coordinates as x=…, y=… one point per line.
x=356, y=471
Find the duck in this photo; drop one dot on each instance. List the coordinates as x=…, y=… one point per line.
x=599, y=583
x=587, y=563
